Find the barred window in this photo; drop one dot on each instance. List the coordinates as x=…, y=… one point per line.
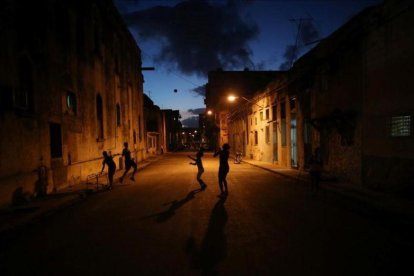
x=400, y=126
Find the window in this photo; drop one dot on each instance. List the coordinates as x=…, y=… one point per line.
x=134, y=136
x=283, y=122
x=99, y=117
x=71, y=103
x=24, y=90
x=139, y=128
x=256, y=137
x=267, y=133
x=118, y=115
x=255, y=121
x=267, y=114
x=274, y=112
x=292, y=103
x=55, y=140
x=400, y=126
x=261, y=115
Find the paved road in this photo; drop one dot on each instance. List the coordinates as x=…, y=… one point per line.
x=162, y=225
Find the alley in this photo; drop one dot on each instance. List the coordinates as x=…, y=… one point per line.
x=163, y=225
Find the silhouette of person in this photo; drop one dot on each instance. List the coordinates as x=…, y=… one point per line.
x=315, y=168
x=199, y=163
x=129, y=162
x=108, y=160
x=223, y=168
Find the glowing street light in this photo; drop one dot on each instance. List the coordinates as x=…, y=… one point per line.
x=209, y=112
x=231, y=98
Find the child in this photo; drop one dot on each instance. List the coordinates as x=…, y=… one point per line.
x=223, y=168
x=129, y=162
x=199, y=163
x=108, y=160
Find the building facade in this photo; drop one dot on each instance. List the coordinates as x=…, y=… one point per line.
x=70, y=87
x=153, y=127
x=351, y=96
x=172, y=129
x=221, y=84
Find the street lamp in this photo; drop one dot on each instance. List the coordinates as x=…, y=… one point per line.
x=209, y=112
x=232, y=98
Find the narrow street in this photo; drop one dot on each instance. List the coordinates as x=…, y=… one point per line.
x=163, y=225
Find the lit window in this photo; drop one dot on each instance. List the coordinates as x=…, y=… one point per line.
x=401, y=126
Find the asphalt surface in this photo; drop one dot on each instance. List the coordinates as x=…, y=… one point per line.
x=162, y=224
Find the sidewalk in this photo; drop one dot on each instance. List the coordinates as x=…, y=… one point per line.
x=375, y=204
x=12, y=218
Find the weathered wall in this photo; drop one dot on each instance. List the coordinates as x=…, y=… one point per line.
x=389, y=161
x=80, y=48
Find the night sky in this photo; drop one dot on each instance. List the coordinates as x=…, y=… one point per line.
x=184, y=40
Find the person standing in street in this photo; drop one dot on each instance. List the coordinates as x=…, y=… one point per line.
x=129, y=162
x=108, y=160
x=199, y=163
x=315, y=168
x=223, y=168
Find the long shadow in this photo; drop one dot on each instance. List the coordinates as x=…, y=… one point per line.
x=174, y=205
x=213, y=248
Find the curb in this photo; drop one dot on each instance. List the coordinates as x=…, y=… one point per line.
x=41, y=212
x=362, y=204
x=44, y=209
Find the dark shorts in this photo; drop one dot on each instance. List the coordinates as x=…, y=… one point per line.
x=130, y=164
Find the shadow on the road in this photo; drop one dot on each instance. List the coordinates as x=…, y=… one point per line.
x=214, y=245
x=174, y=205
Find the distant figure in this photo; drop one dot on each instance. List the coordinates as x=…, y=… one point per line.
x=315, y=168
x=129, y=162
x=108, y=160
x=223, y=168
x=162, y=150
x=199, y=163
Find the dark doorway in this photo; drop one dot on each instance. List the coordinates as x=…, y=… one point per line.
x=55, y=140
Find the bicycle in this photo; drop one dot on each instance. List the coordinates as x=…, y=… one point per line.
x=238, y=158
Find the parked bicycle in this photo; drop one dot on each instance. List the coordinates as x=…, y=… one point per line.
x=238, y=158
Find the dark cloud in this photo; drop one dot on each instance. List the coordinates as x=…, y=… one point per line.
x=307, y=33
x=190, y=122
x=125, y=5
x=197, y=111
x=196, y=36
x=199, y=90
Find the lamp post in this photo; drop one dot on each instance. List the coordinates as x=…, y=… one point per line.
x=233, y=98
